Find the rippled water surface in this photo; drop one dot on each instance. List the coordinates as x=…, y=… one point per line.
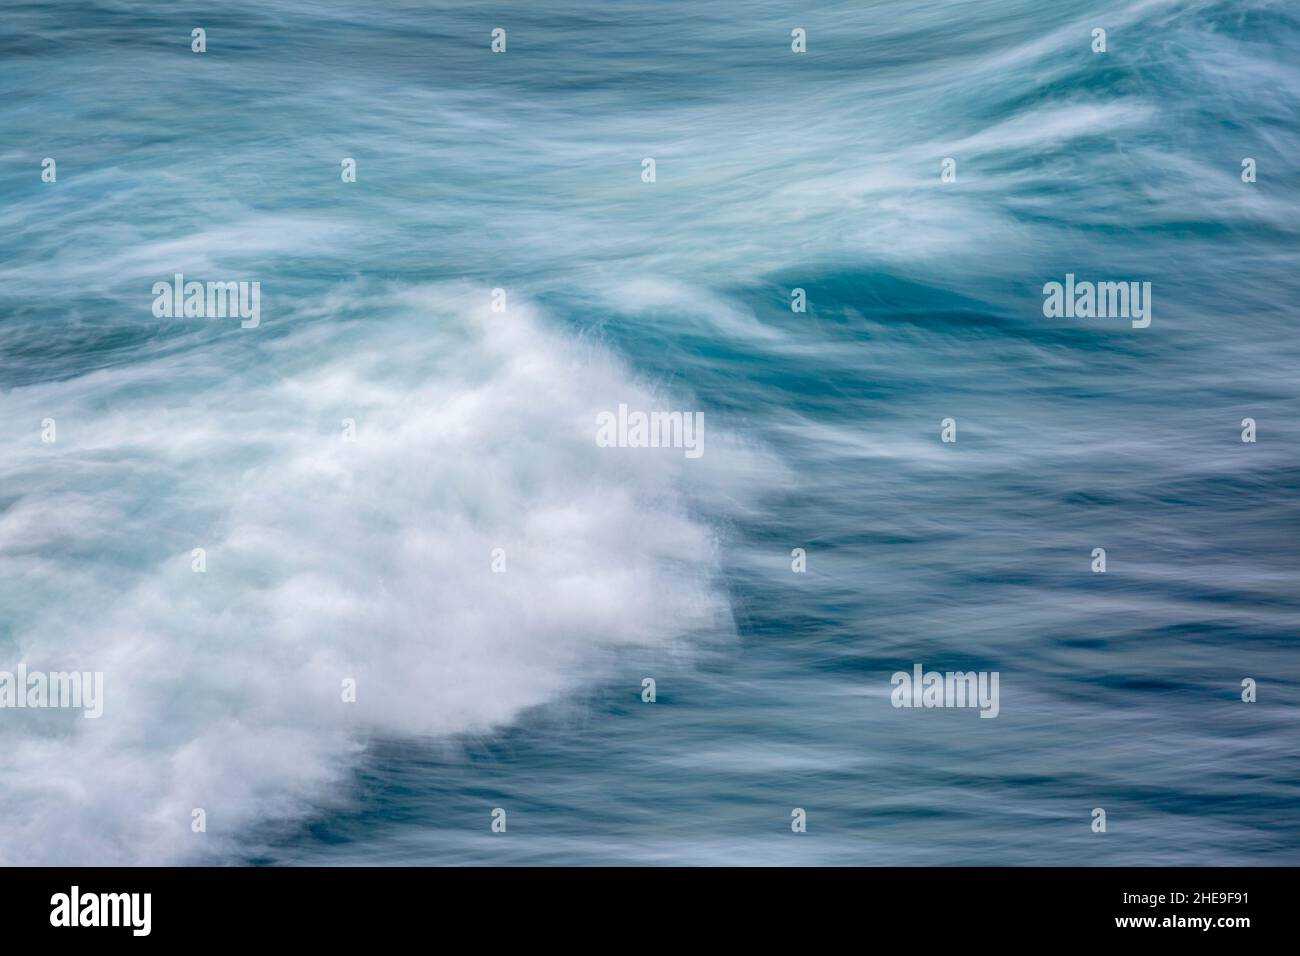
x=371, y=560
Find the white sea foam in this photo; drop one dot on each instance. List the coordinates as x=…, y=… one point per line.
x=326, y=560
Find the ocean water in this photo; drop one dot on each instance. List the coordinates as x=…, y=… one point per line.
x=371, y=560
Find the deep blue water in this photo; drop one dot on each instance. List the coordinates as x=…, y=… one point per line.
x=370, y=560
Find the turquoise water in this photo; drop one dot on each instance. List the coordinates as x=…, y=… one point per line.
x=371, y=560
